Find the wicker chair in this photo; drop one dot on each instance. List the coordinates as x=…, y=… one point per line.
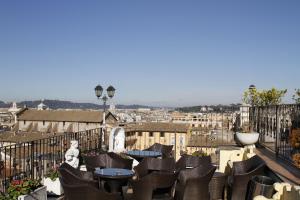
x=85, y=191
x=166, y=150
x=71, y=175
x=107, y=160
x=154, y=186
x=193, y=183
x=117, y=161
x=242, y=172
x=148, y=165
x=191, y=161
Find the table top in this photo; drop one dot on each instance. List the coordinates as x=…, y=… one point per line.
x=141, y=153
x=114, y=173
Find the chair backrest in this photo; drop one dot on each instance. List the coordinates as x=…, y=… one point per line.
x=242, y=167
x=193, y=183
x=165, y=164
x=242, y=172
x=144, y=187
x=147, y=165
x=166, y=150
x=141, y=169
x=191, y=161
x=116, y=161
x=93, y=162
x=75, y=176
x=107, y=160
x=85, y=191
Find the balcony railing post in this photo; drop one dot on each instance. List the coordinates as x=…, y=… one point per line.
x=276, y=131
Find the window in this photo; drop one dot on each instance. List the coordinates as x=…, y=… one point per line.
x=24, y=122
x=64, y=123
x=43, y=123
x=150, y=134
x=162, y=134
x=140, y=134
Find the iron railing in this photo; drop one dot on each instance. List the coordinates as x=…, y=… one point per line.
x=34, y=159
x=276, y=124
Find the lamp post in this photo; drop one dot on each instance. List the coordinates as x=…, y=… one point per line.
x=110, y=93
x=252, y=89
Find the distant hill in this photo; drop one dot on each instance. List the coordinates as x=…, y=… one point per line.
x=4, y=105
x=58, y=104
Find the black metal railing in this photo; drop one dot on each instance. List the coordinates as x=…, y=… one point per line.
x=276, y=125
x=35, y=158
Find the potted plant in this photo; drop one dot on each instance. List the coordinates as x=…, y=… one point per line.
x=27, y=189
x=52, y=182
x=199, y=153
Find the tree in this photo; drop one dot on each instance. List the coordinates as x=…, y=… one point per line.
x=296, y=96
x=251, y=96
x=264, y=97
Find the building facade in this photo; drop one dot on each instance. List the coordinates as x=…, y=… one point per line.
x=61, y=121
x=143, y=135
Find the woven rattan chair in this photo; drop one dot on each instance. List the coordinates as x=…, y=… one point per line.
x=148, y=165
x=85, y=191
x=242, y=172
x=193, y=183
x=166, y=150
x=107, y=160
x=117, y=161
x=154, y=186
x=191, y=161
x=75, y=176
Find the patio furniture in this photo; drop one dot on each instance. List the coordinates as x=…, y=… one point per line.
x=189, y=161
x=261, y=185
x=242, y=172
x=193, y=183
x=217, y=186
x=154, y=186
x=166, y=150
x=85, y=191
x=75, y=176
x=107, y=160
x=140, y=155
x=149, y=165
x=115, y=177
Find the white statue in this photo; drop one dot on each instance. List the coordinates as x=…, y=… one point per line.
x=117, y=140
x=72, y=154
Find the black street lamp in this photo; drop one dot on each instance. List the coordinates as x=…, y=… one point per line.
x=110, y=93
x=252, y=88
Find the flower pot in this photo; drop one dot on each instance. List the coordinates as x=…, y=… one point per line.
x=53, y=187
x=247, y=138
x=40, y=194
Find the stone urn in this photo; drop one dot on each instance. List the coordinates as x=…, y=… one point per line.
x=247, y=138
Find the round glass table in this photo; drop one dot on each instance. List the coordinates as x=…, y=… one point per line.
x=139, y=155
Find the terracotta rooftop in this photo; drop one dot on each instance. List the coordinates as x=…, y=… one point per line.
x=62, y=115
x=24, y=136
x=158, y=127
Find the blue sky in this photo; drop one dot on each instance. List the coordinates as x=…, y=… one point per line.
x=153, y=52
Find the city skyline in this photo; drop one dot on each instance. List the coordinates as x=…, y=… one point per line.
x=154, y=53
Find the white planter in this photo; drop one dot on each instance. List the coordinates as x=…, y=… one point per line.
x=40, y=194
x=53, y=187
x=247, y=138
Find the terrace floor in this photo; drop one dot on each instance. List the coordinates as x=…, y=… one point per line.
x=287, y=172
